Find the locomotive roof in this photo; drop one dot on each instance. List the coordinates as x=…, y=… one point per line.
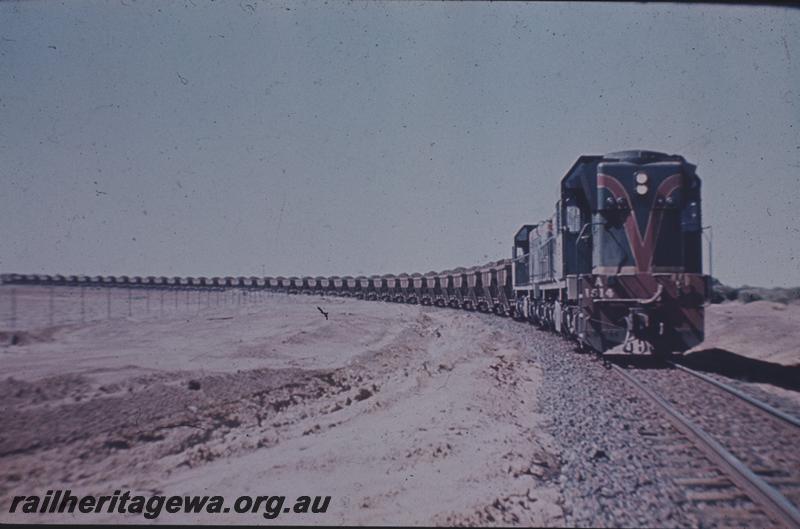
x=641, y=157
x=522, y=233
x=581, y=176
x=638, y=157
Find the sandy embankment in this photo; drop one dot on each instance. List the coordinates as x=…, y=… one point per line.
x=757, y=343
x=404, y=415
x=761, y=330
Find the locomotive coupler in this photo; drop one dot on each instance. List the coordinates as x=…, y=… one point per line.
x=636, y=322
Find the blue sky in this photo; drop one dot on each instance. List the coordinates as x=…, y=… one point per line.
x=227, y=138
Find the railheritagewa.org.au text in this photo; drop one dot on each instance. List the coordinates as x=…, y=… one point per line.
x=151, y=507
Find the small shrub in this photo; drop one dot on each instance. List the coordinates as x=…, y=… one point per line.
x=749, y=296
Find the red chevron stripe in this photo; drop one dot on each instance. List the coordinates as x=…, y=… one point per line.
x=643, y=247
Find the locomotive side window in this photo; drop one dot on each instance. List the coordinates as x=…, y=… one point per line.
x=573, y=219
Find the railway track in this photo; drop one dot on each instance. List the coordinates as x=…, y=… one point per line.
x=751, y=445
x=740, y=394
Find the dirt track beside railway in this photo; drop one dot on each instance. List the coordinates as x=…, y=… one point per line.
x=402, y=414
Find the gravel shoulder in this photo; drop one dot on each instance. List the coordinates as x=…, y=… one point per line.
x=618, y=457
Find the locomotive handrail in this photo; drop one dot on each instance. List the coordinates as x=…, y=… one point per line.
x=643, y=301
x=580, y=233
x=710, y=239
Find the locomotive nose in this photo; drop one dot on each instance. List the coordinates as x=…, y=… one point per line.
x=638, y=205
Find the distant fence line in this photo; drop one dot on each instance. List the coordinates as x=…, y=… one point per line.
x=138, y=281
x=59, y=304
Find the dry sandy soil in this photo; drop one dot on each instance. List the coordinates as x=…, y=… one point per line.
x=402, y=414
x=762, y=330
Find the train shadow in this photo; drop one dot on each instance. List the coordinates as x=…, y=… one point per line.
x=720, y=362
x=637, y=361
x=732, y=365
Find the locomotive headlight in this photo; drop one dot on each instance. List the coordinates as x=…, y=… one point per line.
x=641, y=178
x=641, y=189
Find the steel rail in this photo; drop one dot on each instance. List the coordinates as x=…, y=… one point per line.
x=747, y=398
x=773, y=502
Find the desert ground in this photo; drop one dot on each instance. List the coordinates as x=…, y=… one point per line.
x=762, y=330
x=758, y=343
x=402, y=414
